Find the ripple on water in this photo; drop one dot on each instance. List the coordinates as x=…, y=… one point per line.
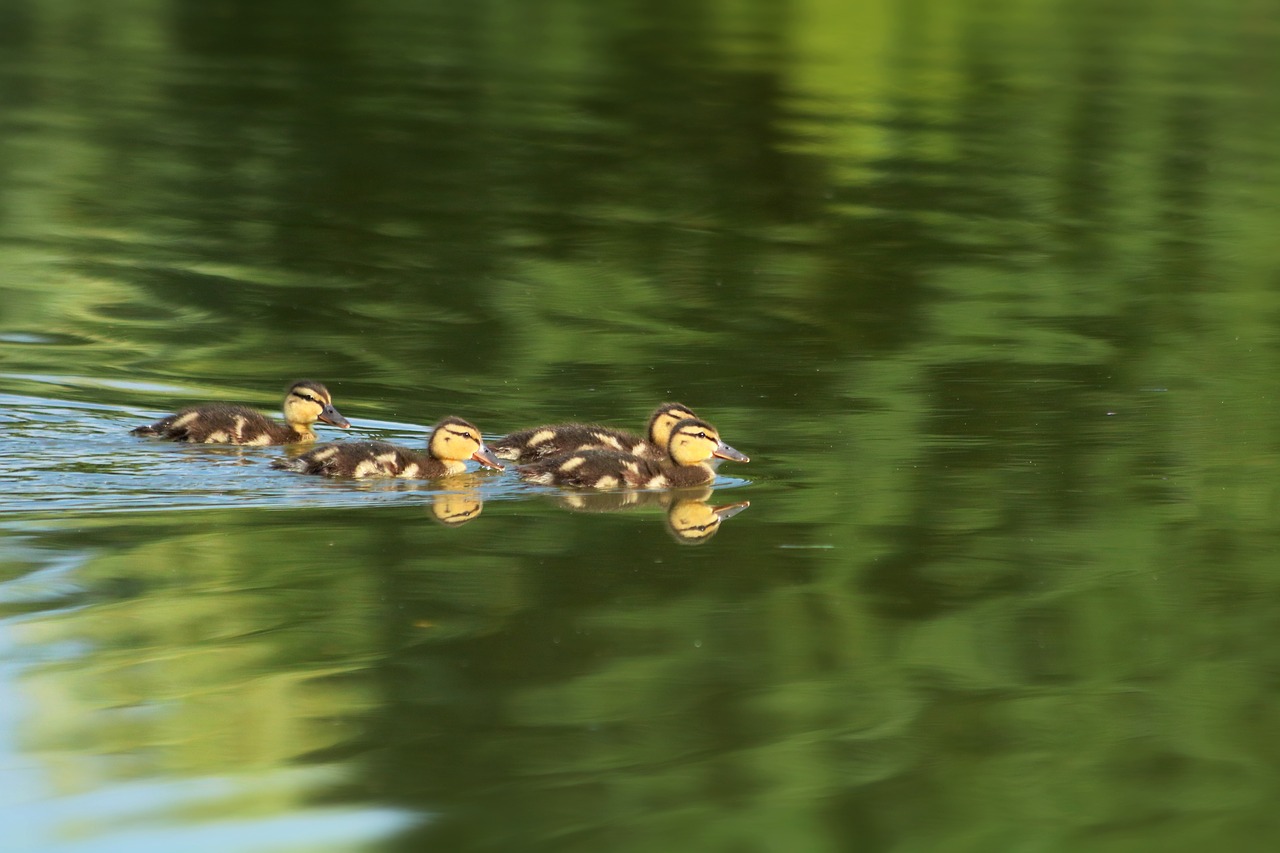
x=42, y=339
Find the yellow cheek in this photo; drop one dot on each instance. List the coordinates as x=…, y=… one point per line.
x=302, y=412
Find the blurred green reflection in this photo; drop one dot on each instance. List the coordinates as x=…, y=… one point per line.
x=986, y=289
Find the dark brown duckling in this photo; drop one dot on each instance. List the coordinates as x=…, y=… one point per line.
x=452, y=441
x=693, y=443
x=221, y=423
x=530, y=445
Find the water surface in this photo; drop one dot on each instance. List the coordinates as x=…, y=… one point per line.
x=985, y=289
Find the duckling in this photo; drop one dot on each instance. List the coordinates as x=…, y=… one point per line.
x=530, y=445
x=219, y=423
x=692, y=444
x=452, y=440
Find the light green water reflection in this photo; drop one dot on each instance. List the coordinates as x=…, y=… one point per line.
x=985, y=289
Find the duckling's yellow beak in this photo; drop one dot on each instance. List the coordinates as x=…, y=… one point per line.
x=486, y=458
x=730, y=510
x=724, y=451
x=330, y=416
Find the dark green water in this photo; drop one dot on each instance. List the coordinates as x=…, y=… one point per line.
x=988, y=290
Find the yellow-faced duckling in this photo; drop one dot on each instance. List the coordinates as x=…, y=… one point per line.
x=453, y=440
x=220, y=423
x=693, y=443
x=530, y=445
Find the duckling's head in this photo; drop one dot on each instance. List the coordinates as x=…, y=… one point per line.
x=307, y=402
x=663, y=419
x=694, y=441
x=456, y=440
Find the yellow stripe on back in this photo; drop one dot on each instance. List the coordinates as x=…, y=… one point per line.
x=541, y=436
x=366, y=468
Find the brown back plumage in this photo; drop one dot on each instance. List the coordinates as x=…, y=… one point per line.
x=542, y=442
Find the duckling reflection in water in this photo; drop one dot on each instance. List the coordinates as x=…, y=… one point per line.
x=452, y=441
x=693, y=444
x=454, y=510
x=690, y=519
x=692, y=522
x=219, y=423
x=543, y=442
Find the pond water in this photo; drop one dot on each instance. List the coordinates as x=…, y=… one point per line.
x=988, y=291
